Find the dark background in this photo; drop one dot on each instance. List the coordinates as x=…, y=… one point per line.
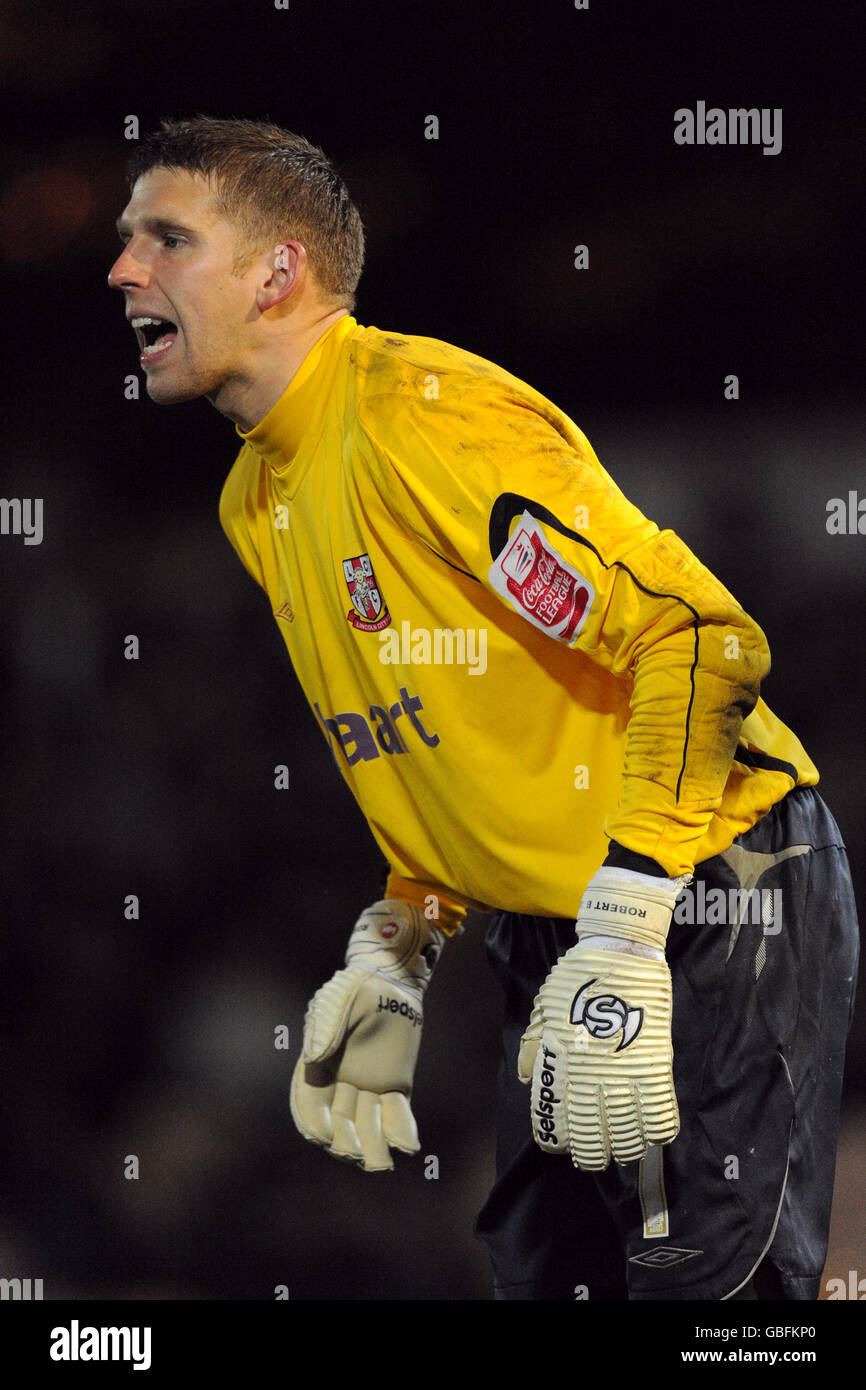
x=155, y=1037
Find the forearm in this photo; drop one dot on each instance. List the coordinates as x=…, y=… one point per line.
x=692, y=690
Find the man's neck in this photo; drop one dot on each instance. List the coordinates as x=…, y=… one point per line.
x=247, y=400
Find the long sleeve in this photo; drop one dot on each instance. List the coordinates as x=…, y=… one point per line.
x=512, y=494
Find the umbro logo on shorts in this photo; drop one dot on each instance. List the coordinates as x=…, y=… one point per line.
x=663, y=1257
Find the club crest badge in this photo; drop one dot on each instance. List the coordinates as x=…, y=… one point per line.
x=369, y=612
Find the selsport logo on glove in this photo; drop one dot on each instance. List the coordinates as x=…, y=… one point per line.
x=598, y=1050
x=352, y=1084
x=549, y=1114
x=598, y=1055
x=602, y=1016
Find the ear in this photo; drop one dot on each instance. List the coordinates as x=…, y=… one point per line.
x=286, y=269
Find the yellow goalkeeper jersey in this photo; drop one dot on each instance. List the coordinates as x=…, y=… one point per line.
x=510, y=663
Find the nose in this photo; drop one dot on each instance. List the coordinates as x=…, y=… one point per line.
x=127, y=272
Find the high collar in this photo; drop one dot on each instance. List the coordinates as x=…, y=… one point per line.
x=278, y=436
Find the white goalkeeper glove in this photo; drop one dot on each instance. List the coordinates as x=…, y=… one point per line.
x=352, y=1084
x=598, y=1047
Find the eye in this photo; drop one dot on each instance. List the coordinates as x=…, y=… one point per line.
x=178, y=241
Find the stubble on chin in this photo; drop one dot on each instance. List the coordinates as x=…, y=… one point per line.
x=190, y=388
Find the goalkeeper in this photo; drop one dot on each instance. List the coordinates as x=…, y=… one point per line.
x=548, y=710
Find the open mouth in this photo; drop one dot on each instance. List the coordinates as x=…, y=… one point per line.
x=155, y=336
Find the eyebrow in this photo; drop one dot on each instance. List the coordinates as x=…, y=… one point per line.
x=158, y=225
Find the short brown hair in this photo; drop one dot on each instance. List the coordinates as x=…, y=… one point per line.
x=274, y=186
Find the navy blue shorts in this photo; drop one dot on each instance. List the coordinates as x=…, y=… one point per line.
x=763, y=1002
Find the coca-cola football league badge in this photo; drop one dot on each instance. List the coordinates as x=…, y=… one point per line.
x=543, y=587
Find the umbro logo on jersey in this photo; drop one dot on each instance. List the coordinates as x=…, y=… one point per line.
x=369, y=612
x=604, y=1015
x=663, y=1257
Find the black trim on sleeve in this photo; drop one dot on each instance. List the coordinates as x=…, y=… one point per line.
x=451, y=564
x=508, y=505
x=618, y=857
x=748, y=758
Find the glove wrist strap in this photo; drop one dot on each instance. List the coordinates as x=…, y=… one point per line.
x=623, y=904
x=394, y=940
